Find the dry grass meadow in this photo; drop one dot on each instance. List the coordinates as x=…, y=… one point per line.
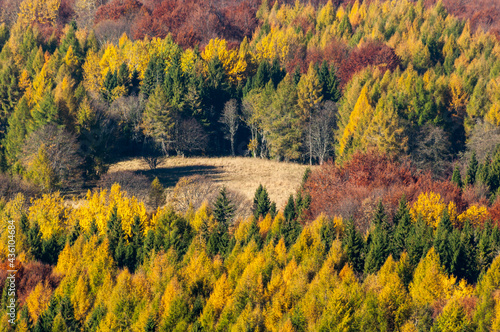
x=239, y=174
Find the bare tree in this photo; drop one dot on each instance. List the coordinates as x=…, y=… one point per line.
x=63, y=152
x=322, y=125
x=483, y=140
x=151, y=152
x=430, y=150
x=189, y=137
x=231, y=119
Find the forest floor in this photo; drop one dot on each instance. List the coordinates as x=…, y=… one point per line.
x=239, y=174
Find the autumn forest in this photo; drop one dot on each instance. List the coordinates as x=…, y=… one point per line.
x=394, y=105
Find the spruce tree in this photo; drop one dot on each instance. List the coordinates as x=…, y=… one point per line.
x=402, y=224
x=472, y=169
x=289, y=211
x=441, y=241
x=276, y=73
x=379, y=248
x=149, y=82
x=456, y=178
x=262, y=76
x=223, y=208
x=354, y=247
x=35, y=241
x=114, y=232
x=333, y=92
x=262, y=203
x=485, y=248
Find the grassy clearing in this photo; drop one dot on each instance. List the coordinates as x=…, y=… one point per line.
x=239, y=174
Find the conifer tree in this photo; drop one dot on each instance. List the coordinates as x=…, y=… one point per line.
x=289, y=211
x=262, y=203
x=354, y=246
x=402, y=225
x=472, y=168
x=456, y=177
x=150, y=324
x=17, y=130
x=223, y=208
x=441, y=241
x=114, y=231
x=379, y=248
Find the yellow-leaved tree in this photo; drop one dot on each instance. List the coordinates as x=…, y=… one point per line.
x=430, y=281
x=39, y=11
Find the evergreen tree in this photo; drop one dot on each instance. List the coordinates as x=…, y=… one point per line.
x=441, y=241
x=379, y=248
x=262, y=203
x=289, y=211
x=354, y=246
x=262, y=76
x=123, y=78
x=483, y=172
x=150, y=324
x=95, y=318
x=402, y=224
x=296, y=75
x=276, y=73
x=456, y=177
x=223, y=209
x=114, y=232
x=485, y=248
x=17, y=130
x=134, y=250
x=34, y=239
x=110, y=83
x=472, y=169
x=46, y=319
x=68, y=315
x=149, y=82
x=419, y=241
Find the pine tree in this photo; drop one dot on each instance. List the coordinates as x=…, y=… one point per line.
x=456, y=177
x=289, y=211
x=472, y=169
x=354, y=246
